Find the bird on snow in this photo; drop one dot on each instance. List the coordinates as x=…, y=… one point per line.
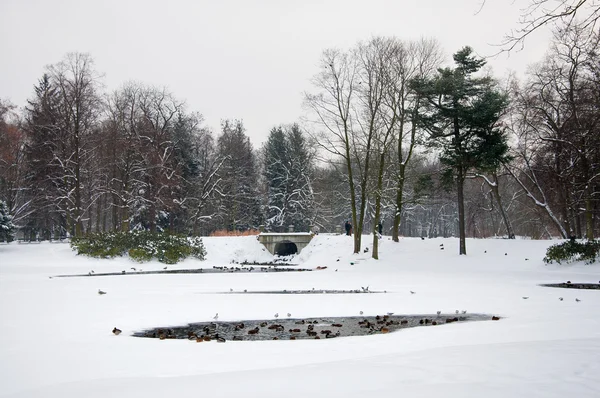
x=230, y=289
x=439, y=312
x=576, y=299
x=92, y=271
x=100, y=292
x=525, y=297
x=165, y=268
x=456, y=312
x=116, y=331
x=560, y=298
x=361, y=313
x=289, y=315
x=216, y=317
x=411, y=292
x=276, y=315
x=133, y=268
x=464, y=311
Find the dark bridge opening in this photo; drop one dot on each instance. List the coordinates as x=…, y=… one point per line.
x=285, y=248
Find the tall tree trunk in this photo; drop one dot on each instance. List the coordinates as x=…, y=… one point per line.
x=378, y=192
x=496, y=193
x=460, y=183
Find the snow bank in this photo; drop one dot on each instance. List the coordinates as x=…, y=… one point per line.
x=56, y=338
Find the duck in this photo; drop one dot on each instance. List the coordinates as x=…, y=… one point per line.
x=495, y=318
x=116, y=331
x=239, y=326
x=101, y=292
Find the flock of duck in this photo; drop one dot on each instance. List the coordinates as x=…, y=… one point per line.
x=296, y=329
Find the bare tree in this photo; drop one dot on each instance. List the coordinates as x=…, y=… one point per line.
x=539, y=13
x=556, y=119
x=333, y=109
x=420, y=60
x=77, y=85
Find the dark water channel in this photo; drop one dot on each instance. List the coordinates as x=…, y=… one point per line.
x=302, y=329
x=214, y=270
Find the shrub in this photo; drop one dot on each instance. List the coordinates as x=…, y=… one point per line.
x=572, y=250
x=140, y=246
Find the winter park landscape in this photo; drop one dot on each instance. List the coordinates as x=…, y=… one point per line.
x=56, y=338
x=334, y=198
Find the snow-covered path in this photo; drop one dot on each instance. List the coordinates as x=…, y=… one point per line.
x=56, y=340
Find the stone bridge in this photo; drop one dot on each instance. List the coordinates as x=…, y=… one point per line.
x=285, y=243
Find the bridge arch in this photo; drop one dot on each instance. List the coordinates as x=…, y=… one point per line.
x=285, y=248
x=283, y=244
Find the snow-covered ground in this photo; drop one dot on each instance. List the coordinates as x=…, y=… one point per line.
x=56, y=340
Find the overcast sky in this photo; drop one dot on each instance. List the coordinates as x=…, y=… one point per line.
x=243, y=59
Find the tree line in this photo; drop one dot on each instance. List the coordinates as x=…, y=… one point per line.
x=390, y=135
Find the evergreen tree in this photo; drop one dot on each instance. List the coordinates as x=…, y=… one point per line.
x=45, y=145
x=7, y=228
x=462, y=118
x=288, y=171
x=276, y=173
x=240, y=207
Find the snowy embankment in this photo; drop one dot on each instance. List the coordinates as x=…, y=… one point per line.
x=56, y=340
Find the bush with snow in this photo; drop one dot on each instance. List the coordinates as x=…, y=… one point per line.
x=140, y=246
x=572, y=250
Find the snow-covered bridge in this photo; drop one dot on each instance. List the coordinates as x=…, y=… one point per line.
x=285, y=243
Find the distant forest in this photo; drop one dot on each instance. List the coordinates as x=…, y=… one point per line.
x=391, y=135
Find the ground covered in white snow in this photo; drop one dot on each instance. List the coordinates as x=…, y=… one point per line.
x=56, y=340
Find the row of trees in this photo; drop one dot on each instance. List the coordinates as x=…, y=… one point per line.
x=79, y=160
x=403, y=131
x=390, y=137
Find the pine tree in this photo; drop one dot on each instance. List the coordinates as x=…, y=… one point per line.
x=240, y=206
x=7, y=228
x=44, y=146
x=462, y=120
x=288, y=172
